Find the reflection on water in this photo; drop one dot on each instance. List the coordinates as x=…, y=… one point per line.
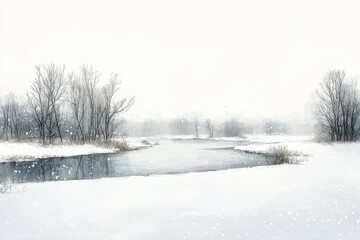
x=168, y=158
x=57, y=169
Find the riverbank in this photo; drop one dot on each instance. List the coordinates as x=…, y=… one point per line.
x=28, y=151
x=25, y=151
x=170, y=157
x=316, y=200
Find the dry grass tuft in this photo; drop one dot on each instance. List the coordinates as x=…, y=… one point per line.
x=146, y=142
x=119, y=145
x=5, y=186
x=323, y=139
x=282, y=155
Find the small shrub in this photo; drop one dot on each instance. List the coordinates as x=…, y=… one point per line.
x=5, y=186
x=145, y=142
x=322, y=139
x=122, y=146
x=282, y=155
x=119, y=145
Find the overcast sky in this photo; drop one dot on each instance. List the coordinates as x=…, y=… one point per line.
x=214, y=58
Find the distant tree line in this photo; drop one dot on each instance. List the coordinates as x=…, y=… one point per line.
x=273, y=127
x=197, y=127
x=65, y=105
x=338, y=107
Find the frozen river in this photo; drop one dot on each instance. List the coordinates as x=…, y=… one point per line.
x=170, y=157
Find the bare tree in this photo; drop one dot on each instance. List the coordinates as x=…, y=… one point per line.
x=90, y=79
x=77, y=99
x=338, y=107
x=44, y=101
x=210, y=127
x=353, y=112
x=113, y=107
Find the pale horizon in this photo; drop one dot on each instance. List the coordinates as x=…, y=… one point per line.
x=236, y=59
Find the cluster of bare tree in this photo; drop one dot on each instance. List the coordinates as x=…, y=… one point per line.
x=44, y=100
x=15, y=122
x=73, y=106
x=94, y=109
x=338, y=107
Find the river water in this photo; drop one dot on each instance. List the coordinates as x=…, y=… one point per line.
x=170, y=157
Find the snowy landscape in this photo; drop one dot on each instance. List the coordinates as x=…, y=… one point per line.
x=318, y=199
x=179, y=120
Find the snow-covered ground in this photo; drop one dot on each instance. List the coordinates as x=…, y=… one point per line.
x=201, y=137
x=278, y=138
x=23, y=151
x=316, y=200
x=304, y=145
x=28, y=151
x=246, y=138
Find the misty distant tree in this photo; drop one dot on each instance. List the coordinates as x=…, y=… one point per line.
x=149, y=128
x=273, y=127
x=196, y=127
x=232, y=129
x=99, y=118
x=180, y=126
x=44, y=101
x=121, y=125
x=338, y=107
x=210, y=128
x=269, y=128
x=16, y=121
x=351, y=112
x=5, y=110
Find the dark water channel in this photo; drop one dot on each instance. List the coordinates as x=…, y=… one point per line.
x=170, y=157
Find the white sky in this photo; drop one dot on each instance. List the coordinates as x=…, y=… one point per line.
x=247, y=58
